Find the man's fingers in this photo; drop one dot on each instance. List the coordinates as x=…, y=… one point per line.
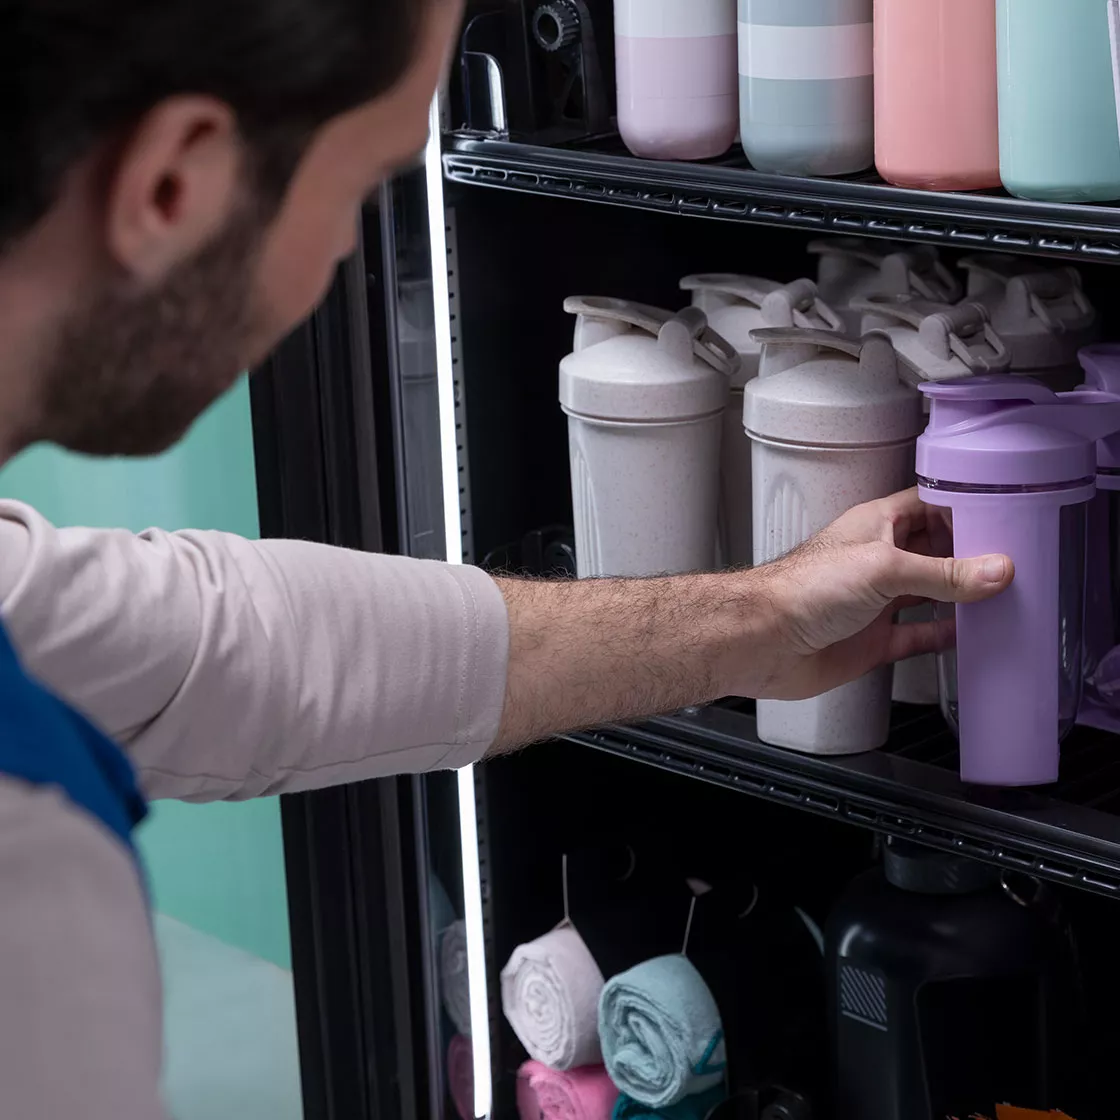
x=947, y=580
x=905, y=602
x=909, y=639
x=905, y=503
x=899, y=515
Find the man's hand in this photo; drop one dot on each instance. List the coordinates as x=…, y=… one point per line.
x=834, y=598
x=589, y=652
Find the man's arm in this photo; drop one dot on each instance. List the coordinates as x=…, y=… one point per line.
x=232, y=668
x=595, y=651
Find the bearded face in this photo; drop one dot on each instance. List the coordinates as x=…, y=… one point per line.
x=132, y=369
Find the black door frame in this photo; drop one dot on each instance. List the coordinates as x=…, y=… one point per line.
x=326, y=468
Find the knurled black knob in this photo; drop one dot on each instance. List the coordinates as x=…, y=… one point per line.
x=556, y=25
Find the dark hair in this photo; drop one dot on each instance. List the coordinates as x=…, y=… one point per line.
x=75, y=71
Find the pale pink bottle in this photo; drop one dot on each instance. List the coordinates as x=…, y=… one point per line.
x=677, y=71
x=936, y=120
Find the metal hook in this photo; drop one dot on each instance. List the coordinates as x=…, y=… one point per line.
x=688, y=926
x=564, y=886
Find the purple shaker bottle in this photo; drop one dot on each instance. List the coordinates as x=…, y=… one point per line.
x=1101, y=703
x=1015, y=465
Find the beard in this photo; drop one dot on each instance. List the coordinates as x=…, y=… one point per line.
x=132, y=370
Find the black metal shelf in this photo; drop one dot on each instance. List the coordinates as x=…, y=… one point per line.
x=729, y=190
x=1067, y=833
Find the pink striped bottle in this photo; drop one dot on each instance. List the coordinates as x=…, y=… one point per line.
x=677, y=73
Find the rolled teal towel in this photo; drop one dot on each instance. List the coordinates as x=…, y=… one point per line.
x=699, y=1106
x=660, y=1032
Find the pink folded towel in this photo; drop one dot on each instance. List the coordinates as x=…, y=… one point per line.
x=584, y=1093
x=460, y=1076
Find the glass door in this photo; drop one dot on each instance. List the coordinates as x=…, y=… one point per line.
x=417, y=247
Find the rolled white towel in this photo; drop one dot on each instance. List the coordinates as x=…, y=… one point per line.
x=454, y=979
x=550, y=995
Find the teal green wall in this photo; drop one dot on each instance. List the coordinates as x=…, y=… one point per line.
x=217, y=867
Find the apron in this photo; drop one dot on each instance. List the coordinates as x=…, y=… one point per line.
x=47, y=743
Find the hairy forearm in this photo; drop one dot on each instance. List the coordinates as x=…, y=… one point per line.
x=595, y=651
x=588, y=652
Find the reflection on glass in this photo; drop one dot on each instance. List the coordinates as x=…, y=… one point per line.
x=420, y=414
x=1102, y=599
x=452, y=1059
x=414, y=382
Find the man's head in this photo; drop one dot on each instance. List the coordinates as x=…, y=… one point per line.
x=179, y=180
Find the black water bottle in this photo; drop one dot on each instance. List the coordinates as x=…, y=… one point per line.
x=948, y=992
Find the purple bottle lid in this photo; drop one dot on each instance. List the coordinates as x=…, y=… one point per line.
x=1010, y=433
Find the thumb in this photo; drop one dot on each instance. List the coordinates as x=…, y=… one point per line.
x=947, y=580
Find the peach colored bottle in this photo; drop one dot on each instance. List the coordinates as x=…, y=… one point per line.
x=936, y=120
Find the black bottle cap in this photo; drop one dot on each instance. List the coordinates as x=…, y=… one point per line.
x=921, y=870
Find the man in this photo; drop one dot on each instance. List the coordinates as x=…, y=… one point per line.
x=179, y=180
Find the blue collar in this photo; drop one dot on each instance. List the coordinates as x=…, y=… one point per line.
x=45, y=742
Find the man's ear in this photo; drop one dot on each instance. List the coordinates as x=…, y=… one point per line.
x=173, y=184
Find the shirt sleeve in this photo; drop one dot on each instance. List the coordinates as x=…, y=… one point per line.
x=231, y=668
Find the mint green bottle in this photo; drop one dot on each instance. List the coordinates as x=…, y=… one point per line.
x=1058, y=136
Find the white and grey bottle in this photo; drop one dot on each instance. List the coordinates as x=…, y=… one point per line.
x=806, y=94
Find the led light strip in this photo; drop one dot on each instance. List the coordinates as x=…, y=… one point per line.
x=476, y=953
x=441, y=299
x=453, y=544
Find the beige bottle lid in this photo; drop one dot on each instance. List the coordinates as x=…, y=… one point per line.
x=852, y=267
x=819, y=389
x=1042, y=314
x=936, y=341
x=633, y=362
x=736, y=305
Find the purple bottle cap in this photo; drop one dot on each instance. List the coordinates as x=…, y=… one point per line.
x=1003, y=431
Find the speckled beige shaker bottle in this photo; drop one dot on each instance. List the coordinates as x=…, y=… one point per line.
x=736, y=305
x=831, y=426
x=644, y=391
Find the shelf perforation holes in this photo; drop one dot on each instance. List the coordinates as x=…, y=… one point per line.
x=998, y=853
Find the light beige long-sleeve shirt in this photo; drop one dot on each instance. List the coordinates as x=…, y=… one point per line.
x=227, y=668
